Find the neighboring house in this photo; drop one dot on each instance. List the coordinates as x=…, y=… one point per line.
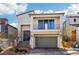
x=12, y=35
x=3, y=32
x=41, y=30
x=7, y=33
x=71, y=28
x=3, y=27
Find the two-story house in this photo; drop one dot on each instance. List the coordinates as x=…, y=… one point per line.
x=41, y=30
x=71, y=28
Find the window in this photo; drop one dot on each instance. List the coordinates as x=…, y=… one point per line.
x=3, y=28
x=46, y=21
x=51, y=24
x=41, y=24
x=74, y=20
x=0, y=28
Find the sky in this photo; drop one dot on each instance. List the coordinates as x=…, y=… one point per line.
x=9, y=11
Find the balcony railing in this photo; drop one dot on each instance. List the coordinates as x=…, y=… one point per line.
x=36, y=27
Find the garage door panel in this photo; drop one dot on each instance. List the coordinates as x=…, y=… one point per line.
x=46, y=42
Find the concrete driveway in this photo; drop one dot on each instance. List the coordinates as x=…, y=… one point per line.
x=46, y=52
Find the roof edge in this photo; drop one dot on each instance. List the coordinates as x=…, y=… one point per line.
x=13, y=26
x=25, y=12
x=46, y=13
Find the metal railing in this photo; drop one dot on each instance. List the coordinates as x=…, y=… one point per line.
x=36, y=27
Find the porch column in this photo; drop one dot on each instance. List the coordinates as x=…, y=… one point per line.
x=32, y=41
x=59, y=41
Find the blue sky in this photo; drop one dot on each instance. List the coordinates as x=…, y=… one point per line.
x=36, y=6
x=48, y=6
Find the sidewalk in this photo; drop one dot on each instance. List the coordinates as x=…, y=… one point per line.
x=71, y=51
x=7, y=52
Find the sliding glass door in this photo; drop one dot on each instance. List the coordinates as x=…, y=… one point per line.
x=41, y=24
x=51, y=24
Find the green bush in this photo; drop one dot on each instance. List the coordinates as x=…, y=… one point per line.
x=20, y=50
x=1, y=49
x=16, y=50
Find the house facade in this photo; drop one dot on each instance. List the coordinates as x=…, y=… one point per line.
x=41, y=30
x=71, y=28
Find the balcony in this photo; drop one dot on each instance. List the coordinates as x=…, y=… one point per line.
x=45, y=28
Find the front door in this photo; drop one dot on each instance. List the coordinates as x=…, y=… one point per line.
x=26, y=35
x=73, y=35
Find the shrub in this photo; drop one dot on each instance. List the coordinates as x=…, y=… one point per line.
x=1, y=49
x=20, y=50
x=76, y=45
x=16, y=50
x=25, y=51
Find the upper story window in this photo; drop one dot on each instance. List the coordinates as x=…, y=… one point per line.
x=74, y=20
x=3, y=28
x=41, y=24
x=47, y=23
x=51, y=24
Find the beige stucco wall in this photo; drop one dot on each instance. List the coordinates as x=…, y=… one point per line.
x=23, y=19
x=25, y=27
x=46, y=32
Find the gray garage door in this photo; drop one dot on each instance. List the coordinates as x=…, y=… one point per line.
x=46, y=42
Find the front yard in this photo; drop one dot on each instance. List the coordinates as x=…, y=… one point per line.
x=15, y=51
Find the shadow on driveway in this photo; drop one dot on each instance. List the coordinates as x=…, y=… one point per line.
x=48, y=52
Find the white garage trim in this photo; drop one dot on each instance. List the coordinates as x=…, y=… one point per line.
x=59, y=44
x=59, y=41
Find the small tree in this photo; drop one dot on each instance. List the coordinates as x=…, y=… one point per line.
x=12, y=37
